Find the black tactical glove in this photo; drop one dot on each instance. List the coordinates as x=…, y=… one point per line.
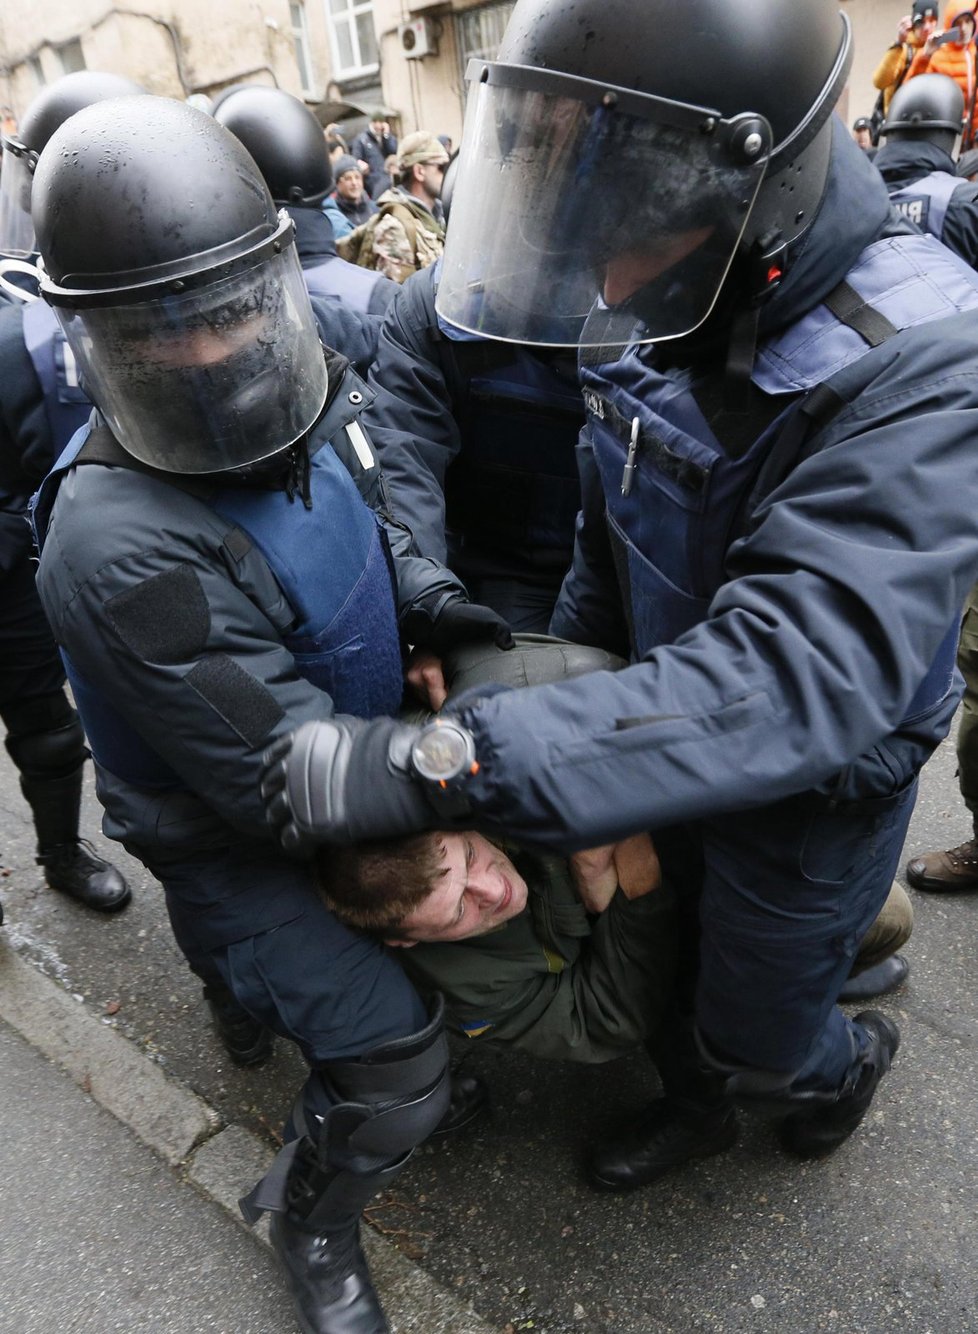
x=455, y=621
x=342, y=781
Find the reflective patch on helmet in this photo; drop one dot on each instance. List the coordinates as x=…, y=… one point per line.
x=241, y=700
x=164, y=619
x=476, y=1027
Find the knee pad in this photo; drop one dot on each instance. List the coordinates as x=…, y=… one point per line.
x=392, y=1098
x=45, y=737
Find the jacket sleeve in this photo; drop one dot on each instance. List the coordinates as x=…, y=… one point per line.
x=180, y=630
x=412, y=418
x=960, y=232
x=353, y=333
x=589, y=608
x=890, y=67
x=422, y=581
x=849, y=580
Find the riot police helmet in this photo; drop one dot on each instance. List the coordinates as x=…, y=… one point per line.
x=178, y=287
x=610, y=154
x=49, y=110
x=285, y=139
x=929, y=107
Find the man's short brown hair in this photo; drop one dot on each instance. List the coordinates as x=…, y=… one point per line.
x=375, y=885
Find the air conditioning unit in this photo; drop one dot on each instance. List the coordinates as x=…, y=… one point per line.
x=418, y=39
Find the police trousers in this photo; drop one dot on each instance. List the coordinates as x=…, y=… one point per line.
x=788, y=892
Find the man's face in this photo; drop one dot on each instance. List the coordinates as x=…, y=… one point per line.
x=350, y=186
x=479, y=890
x=631, y=270
x=863, y=137
x=380, y=128
x=925, y=28
x=966, y=27
x=431, y=176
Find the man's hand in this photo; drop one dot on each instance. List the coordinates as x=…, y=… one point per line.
x=904, y=29
x=426, y=677
x=342, y=781
x=631, y=865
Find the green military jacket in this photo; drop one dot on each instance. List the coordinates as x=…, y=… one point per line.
x=555, y=981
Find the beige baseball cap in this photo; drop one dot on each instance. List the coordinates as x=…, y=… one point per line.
x=422, y=146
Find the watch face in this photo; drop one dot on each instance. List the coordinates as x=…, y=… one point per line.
x=441, y=753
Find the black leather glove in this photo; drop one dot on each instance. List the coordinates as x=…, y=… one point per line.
x=342, y=781
x=456, y=621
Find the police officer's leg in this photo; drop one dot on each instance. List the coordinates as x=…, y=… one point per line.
x=789, y=894
x=956, y=868
x=379, y=1081
x=46, y=743
x=694, y=1117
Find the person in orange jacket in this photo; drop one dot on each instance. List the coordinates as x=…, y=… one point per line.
x=952, y=52
x=912, y=32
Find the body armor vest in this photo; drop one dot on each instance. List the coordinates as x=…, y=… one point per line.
x=336, y=575
x=514, y=487
x=925, y=202
x=677, y=499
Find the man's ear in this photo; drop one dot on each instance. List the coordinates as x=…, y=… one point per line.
x=401, y=944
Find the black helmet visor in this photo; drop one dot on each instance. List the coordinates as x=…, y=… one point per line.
x=579, y=207
x=210, y=375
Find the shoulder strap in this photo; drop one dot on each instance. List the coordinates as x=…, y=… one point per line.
x=849, y=308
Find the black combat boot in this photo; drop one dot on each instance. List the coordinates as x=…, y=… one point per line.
x=317, y=1241
x=817, y=1131
x=695, y=1119
x=71, y=864
x=383, y=1105
x=246, y=1041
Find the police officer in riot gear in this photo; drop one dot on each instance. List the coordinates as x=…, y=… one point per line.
x=453, y=419
x=772, y=515
x=452, y=416
x=41, y=406
x=917, y=165
x=215, y=578
x=287, y=143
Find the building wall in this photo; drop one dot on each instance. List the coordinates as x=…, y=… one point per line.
x=185, y=47
x=195, y=47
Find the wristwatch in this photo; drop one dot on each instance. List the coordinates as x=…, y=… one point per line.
x=443, y=758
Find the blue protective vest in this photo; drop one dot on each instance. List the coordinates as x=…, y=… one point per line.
x=333, y=564
x=925, y=202
x=339, y=281
x=66, y=404
x=673, y=516
x=514, y=486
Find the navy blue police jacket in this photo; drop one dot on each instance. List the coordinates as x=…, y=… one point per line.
x=201, y=622
x=477, y=440
x=328, y=275
x=791, y=626
x=922, y=186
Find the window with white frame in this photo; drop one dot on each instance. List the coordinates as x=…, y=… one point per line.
x=354, y=42
x=300, y=39
x=72, y=57
x=481, y=30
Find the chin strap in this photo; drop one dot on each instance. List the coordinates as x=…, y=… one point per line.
x=766, y=266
